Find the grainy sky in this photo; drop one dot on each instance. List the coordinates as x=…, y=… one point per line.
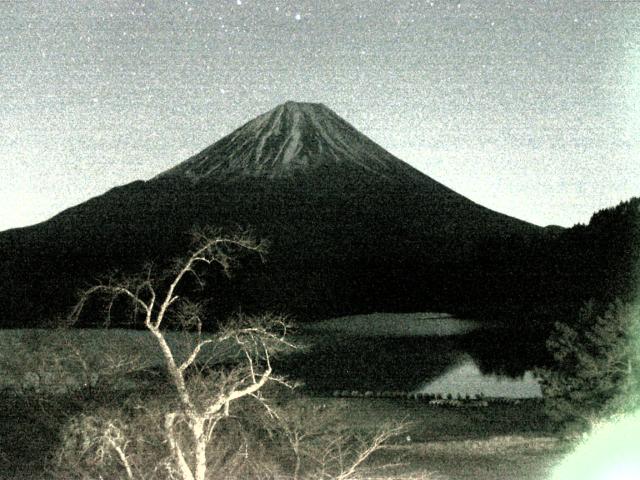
x=529, y=107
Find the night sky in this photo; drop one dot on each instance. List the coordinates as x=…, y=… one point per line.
x=531, y=108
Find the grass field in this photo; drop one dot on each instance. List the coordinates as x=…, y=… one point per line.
x=499, y=442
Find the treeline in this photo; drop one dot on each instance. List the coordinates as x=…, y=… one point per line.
x=527, y=279
x=540, y=280
x=374, y=258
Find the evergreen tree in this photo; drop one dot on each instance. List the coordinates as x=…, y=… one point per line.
x=596, y=367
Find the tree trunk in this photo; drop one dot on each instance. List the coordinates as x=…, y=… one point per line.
x=197, y=428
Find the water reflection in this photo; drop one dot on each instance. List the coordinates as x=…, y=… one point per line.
x=434, y=353
x=465, y=378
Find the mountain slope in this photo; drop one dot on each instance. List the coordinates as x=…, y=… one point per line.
x=353, y=229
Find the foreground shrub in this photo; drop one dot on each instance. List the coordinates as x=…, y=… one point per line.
x=131, y=442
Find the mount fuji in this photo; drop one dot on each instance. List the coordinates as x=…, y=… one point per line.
x=292, y=139
x=352, y=228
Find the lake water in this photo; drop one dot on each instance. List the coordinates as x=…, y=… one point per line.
x=421, y=352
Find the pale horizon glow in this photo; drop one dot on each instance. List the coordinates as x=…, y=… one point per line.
x=528, y=108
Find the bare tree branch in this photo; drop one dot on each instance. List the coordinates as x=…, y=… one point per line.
x=194, y=354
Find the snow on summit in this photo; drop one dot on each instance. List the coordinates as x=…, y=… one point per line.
x=292, y=138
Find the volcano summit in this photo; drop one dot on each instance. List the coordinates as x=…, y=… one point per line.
x=353, y=229
x=291, y=139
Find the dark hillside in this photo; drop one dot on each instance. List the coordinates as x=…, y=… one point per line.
x=352, y=228
x=543, y=280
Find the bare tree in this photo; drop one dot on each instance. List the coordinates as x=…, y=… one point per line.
x=251, y=341
x=209, y=424
x=324, y=446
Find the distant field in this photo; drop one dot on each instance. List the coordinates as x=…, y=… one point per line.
x=26, y=354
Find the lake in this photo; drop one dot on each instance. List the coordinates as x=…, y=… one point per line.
x=424, y=352
x=420, y=352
